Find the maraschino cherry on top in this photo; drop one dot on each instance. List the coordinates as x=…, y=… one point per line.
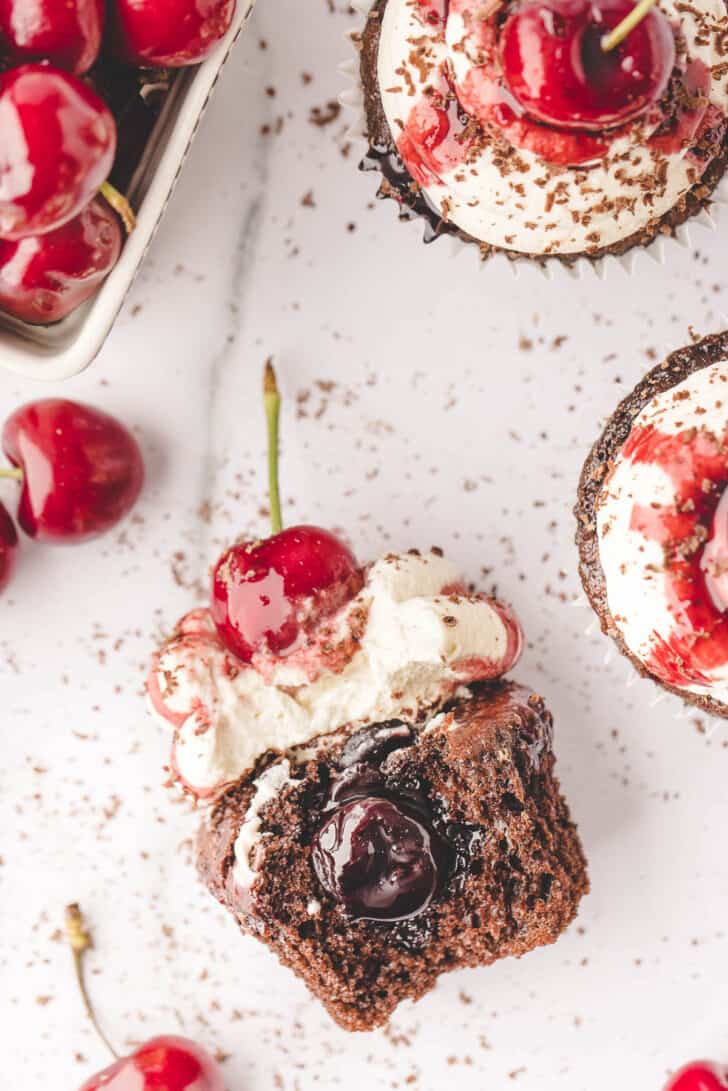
x=164, y=1063
x=267, y=594
x=587, y=64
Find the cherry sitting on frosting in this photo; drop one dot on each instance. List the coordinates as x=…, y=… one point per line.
x=65, y=32
x=80, y=470
x=57, y=144
x=265, y=594
x=45, y=277
x=700, y=1076
x=163, y=1064
x=8, y=547
x=557, y=68
x=171, y=33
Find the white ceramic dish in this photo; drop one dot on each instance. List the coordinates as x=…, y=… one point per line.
x=67, y=347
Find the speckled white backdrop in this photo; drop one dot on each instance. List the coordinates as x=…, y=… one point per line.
x=428, y=402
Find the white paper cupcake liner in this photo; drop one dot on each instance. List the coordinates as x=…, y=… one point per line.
x=686, y=236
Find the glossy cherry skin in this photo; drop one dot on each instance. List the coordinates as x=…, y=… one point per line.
x=8, y=547
x=171, y=33
x=82, y=470
x=163, y=1064
x=556, y=69
x=67, y=33
x=265, y=593
x=57, y=145
x=45, y=277
x=700, y=1076
x=376, y=859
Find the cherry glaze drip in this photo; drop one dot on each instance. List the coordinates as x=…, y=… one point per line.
x=691, y=532
x=694, y=118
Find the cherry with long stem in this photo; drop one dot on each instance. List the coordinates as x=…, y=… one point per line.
x=79, y=940
x=272, y=405
x=168, y=1061
x=268, y=594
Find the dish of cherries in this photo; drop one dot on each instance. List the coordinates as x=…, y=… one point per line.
x=82, y=83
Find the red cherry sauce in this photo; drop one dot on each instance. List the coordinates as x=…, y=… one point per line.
x=697, y=465
x=485, y=96
x=695, y=120
x=436, y=138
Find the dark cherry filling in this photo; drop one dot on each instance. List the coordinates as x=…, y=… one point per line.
x=377, y=852
x=376, y=859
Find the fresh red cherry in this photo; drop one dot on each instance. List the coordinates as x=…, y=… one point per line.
x=265, y=594
x=162, y=1064
x=171, y=33
x=555, y=67
x=45, y=277
x=700, y=1076
x=57, y=144
x=81, y=470
x=65, y=32
x=8, y=547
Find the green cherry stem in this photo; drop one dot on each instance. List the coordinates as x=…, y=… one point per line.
x=13, y=472
x=272, y=403
x=120, y=205
x=612, y=40
x=79, y=940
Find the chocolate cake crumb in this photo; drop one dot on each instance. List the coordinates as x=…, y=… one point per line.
x=514, y=882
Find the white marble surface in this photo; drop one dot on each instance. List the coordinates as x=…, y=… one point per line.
x=460, y=406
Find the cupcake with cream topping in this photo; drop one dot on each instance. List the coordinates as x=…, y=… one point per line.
x=547, y=128
x=653, y=525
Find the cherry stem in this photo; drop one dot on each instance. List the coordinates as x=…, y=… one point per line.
x=612, y=40
x=79, y=940
x=13, y=472
x=120, y=205
x=272, y=403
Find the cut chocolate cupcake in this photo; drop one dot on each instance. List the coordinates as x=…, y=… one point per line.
x=652, y=525
x=371, y=861
x=459, y=142
x=383, y=806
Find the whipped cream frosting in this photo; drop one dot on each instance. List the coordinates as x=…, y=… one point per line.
x=639, y=491
x=522, y=203
x=406, y=642
x=267, y=786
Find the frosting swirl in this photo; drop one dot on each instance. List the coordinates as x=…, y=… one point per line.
x=400, y=648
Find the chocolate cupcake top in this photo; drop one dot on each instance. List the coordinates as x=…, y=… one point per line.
x=660, y=523
x=494, y=165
